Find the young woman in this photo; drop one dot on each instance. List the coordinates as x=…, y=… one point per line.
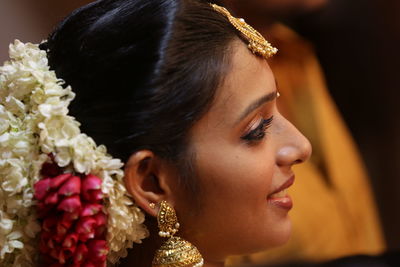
x=182, y=93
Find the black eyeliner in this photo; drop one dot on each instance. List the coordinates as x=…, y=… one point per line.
x=259, y=132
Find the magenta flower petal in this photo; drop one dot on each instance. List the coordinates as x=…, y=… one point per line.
x=51, y=244
x=51, y=199
x=86, y=236
x=93, y=195
x=41, y=188
x=80, y=253
x=70, y=204
x=44, y=239
x=100, y=232
x=70, y=216
x=65, y=223
x=101, y=219
x=89, y=264
x=63, y=256
x=54, y=253
x=43, y=248
x=61, y=232
x=94, y=264
x=86, y=228
x=85, y=225
x=91, y=182
x=90, y=209
x=71, y=186
x=98, y=250
x=49, y=223
x=70, y=240
x=56, y=182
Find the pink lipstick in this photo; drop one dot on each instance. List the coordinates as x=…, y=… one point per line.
x=280, y=198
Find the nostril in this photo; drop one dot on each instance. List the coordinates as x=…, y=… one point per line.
x=298, y=161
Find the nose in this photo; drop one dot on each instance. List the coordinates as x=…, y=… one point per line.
x=294, y=147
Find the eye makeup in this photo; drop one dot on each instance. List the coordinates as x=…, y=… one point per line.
x=257, y=133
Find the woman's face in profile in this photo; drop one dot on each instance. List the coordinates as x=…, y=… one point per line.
x=244, y=153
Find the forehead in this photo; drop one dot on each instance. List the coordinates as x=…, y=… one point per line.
x=249, y=78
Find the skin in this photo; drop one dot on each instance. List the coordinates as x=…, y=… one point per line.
x=236, y=176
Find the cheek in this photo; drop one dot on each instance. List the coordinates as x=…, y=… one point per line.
x=235, y=183
x=239, y=171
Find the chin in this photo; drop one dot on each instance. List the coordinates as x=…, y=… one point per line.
x=282, y=233
x=273, y=237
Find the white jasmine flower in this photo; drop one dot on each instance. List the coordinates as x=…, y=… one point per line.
x=34, y=123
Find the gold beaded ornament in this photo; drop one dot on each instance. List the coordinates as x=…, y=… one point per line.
x=175, y=252
x=257, y=43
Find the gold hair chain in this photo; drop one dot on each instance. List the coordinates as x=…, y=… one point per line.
x=257, y=43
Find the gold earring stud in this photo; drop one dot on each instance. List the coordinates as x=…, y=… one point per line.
x=175, y=251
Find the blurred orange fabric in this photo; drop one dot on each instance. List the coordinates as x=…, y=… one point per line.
x=334, y=212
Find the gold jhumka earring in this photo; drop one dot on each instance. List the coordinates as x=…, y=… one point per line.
x=175, y=252
x=256, y=42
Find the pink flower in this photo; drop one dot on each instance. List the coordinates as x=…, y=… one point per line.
x=90, y=209
x=91, y=182
x=50, y=243
x=56, y=182
x=70, y=204
x=69, y=245
x=86, y=228
x=68, y=218
x=49, y=223
x=101, y=221
x=89, y=264
x=62, y=256
x=80, y=253
x=71, y=187
x=91, y=187
x=93, y=195
x=41, y=188
x=43, y=245
x=51, y=199
x=98, y=250
x=73, y=232
x=61, y=232
x=70, y=240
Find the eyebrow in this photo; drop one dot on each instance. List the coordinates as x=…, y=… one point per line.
x=256, y=104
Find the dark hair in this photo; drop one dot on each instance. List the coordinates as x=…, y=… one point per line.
x=144, y=71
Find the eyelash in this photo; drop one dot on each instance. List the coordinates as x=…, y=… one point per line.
x=258, y=133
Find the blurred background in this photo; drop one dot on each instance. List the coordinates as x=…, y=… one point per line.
x=357, y=44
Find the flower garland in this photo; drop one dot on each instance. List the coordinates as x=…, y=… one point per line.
x=47, y=163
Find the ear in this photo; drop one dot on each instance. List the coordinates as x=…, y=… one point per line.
x=147, y=180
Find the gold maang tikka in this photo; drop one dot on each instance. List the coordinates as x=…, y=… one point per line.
x=256, y=42
x=175, y=252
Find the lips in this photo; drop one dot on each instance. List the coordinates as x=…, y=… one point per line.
x=280, y=198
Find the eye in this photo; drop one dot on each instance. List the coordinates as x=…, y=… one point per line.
x=259, y=132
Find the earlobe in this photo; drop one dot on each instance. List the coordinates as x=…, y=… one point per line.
x=144, y=180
